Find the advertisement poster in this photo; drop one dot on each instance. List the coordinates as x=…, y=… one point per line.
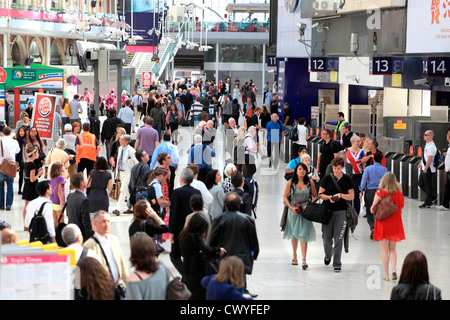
x=43, y=112
x=429, y=31
x=146, y=79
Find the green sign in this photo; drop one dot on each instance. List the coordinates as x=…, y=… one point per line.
x=36, y=78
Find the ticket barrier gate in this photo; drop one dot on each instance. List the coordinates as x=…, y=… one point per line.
x=413, y=177
x=395, y=165
x=403, y=177
x=388, y=156
x=310, y=147
x=316, y=145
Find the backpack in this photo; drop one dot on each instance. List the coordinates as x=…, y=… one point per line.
x=149, y=193
x=38, y=227
x=436, y=159
x=293, y=134
x=239, y=151
x=251, y=186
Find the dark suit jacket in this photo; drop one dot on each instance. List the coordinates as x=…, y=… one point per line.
x=77, y=210
x=236, y=232
x=246, y=203
x=179, y=208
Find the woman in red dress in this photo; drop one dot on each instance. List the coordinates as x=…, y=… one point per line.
x=390, y=230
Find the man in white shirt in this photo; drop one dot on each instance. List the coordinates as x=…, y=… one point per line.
x=302, y=132
x=137, y=103
x=428, y=169
x=45, y=191
x=200, y=186
x=446, y=199
x=71, y=235
x=9, y=149
x=127, y=116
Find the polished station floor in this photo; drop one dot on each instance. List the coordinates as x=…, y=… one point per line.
x=275, y=278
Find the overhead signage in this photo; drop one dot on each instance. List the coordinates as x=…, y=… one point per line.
x=271, y=61
x=323, y=64
x=386, y=65
x=436, y=67
x=47, y=78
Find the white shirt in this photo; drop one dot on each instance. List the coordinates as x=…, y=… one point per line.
x=302, y=131
x=34, y=206
x=447, y=160
x=206, y=195
x=79, y=250
x=430, y=150
x=106, y=245
x=10, y=148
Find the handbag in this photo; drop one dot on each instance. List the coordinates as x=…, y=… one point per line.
x=285, y=212
x=384, y=208
x=317, y=212
x=59, y=228
x=7, y=167
x=115, y=192
x=177, y=290
x=211, y=266
x=158, y=244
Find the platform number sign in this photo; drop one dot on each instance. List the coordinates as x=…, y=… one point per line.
x=386, y=65
x=435, y=67
x=323, y=64
x=271, y=61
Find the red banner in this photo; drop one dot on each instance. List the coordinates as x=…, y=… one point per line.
x=43, y=112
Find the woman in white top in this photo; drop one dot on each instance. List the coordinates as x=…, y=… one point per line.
x=302, y=132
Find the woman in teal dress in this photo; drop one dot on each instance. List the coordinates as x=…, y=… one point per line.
x=299, y=190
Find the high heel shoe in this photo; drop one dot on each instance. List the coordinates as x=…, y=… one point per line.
x=304, y=265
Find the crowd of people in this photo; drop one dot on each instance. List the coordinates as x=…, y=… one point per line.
x=208, y=218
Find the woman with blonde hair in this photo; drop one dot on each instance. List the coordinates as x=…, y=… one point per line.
x=228, y=283
x=390, y=230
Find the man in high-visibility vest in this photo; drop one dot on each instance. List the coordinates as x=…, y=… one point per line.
x=87, y=148
x=339, y=124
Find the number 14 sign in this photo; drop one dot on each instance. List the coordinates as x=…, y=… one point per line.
x=435, y=67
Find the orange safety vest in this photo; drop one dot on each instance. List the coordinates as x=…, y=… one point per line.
x=88, y=147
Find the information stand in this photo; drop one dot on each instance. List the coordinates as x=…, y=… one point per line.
x=32, y=271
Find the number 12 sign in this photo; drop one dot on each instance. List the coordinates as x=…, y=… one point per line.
x=324, y=64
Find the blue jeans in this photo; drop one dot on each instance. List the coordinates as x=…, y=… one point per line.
x=9, y=192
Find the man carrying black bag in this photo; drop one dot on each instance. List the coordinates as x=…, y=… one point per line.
x=334, y=231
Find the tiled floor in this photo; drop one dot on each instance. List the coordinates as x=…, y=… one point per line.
x=274, y=278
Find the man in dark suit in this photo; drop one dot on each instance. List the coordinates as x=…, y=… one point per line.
x=78, y=206
x=237, y=180
x=179, y=210
x=236, y=232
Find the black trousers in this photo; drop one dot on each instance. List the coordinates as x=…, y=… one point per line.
x=446, y=199
x=369, y=195
x=85, y=164
x=426, y=184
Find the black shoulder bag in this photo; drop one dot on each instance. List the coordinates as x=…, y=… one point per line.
x=120, y=289
x=59, y=228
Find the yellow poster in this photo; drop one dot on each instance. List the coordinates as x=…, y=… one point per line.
x=396, y=80
x=333, y=76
